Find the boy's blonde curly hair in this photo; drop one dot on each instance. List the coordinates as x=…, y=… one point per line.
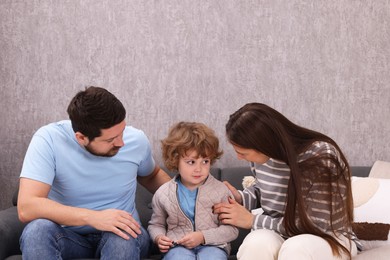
x=189, y=136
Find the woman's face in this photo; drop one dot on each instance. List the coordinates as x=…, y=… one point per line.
x=250, y=155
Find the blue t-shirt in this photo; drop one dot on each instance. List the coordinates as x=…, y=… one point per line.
x=187, y=200
x=81, y=179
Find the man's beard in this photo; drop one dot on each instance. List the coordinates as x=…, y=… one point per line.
x=110, y=153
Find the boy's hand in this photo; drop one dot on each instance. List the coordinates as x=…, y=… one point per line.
x=192, y=240
x=164, y=243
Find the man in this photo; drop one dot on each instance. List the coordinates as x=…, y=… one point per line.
x=78, y=183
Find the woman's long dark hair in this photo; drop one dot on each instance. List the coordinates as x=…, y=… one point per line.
x=257, y=126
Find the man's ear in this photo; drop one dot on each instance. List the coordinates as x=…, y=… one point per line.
x=82, y=139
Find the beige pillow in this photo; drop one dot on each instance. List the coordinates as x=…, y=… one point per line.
x=380, y=169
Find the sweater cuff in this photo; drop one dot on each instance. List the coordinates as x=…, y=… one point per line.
x=242, y=198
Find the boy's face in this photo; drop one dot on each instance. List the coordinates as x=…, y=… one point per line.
x=193, y=170
x=107, y=144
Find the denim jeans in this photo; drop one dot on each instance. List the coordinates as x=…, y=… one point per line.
x=44, y=239
x=197, y=253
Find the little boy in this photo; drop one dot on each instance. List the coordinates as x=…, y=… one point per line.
x=183, y=224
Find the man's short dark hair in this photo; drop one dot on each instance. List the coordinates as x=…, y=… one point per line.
x=95, y=109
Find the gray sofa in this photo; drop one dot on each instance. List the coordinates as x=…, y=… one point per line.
x=11, y=227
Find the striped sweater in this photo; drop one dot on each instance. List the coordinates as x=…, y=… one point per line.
x=270, y=190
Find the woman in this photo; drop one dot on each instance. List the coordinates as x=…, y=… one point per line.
x=303, y=186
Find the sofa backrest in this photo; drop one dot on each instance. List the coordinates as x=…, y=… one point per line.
x=360, y=171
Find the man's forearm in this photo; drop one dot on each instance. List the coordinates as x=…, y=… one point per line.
x=45, y=208
x=154, y=180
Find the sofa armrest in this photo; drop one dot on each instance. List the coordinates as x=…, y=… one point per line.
x=10, y=230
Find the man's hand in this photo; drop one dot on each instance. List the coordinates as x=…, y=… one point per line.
x=234, y=214
x=191, y=240
x=116, y=221
x=164, y=243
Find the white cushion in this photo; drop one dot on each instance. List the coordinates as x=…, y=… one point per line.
x=371, y=199
x=380, y=169
x=381, y=253
x=371, y=204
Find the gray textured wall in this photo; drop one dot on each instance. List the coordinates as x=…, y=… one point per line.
x=324, y=64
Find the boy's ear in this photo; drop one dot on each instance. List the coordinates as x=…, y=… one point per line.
x=82, y=139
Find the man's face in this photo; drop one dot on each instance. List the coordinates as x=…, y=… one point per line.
x=108, y=143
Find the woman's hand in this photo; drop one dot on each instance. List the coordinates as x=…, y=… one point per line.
x=234, y=214
x=236, y=194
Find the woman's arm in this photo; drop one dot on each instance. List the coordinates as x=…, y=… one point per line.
x=251, y=197
x=237, y=212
